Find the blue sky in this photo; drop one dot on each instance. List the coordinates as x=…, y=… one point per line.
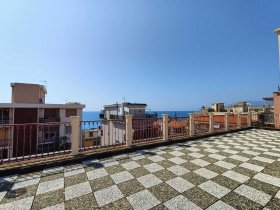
x=172, y=55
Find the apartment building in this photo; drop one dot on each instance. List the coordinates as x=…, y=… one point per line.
x=28, y=107
x=112, y=130
x=119, y=111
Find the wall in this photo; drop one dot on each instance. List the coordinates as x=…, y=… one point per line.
x=64, y=119
x=26, y=93
x=112, y=133
x=276, y=99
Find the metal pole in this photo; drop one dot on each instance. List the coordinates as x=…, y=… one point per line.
x=277, y=31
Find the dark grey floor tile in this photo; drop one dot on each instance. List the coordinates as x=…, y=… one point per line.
x=240, y=202
x=18, y=194
x=194, y=178
x=190, y=166
x=75, y=179
x=86, y=202
x=165, y=163
x=101, y=183
x=264, y=187
x=273, y=169
x=244, y=171
x=226, y=182
x=159, y=207
x=163, y=192
x=121, y=204
x=273, y=204
x=209, y=159
x=130, y=187
x=137, y=172
x=164, y=175
x=52, y=176
x=144, y=161
x=48, y=199
x=216, y=169
x=233, y=161
x=115, y=169
x=200, y=197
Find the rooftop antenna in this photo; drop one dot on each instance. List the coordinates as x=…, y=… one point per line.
x=45, y=84
x=277, y=31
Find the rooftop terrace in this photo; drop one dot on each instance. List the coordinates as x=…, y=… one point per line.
x=231, y=171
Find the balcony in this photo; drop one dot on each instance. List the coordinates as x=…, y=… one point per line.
x=5, y=143
x=4, y=121
x=49, y=119
x=112, y=117
x=116, y=117
x=267, y=119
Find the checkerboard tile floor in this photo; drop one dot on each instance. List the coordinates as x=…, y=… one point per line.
x=233, y=171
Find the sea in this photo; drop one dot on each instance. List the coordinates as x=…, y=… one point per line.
x=94, y=115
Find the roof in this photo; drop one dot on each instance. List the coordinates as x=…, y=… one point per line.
x=217, y=103
x=41, y=86
x=125, y=104
x=45, y=106
x=277, y=31
x=240, y=103
x=268, y=98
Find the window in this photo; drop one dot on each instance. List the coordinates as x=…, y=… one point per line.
x=4, y=116
x=71, y=112
x=96, y=142
x=49, y=137
x=67, y=129
x=91, y=134
x=51, y=113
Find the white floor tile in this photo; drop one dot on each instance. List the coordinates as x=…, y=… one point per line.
x=143, y=200
x=253, y=194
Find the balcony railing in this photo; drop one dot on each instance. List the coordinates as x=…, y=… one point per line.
x=28, y=141
x=49, y=119
x=101, y=134
x=146, y=129
x=178, y=127
x=267, y=119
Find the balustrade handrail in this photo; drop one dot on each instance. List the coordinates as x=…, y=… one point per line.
x=92, y=135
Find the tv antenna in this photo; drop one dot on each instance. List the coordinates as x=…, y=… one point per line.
x=45, y=83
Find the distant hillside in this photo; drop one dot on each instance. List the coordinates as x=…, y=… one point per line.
x=254, y=103
x=258, y=103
